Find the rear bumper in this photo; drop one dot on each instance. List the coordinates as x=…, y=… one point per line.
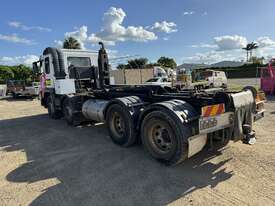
x=215, y=123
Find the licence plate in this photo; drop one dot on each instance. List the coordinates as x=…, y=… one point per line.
x=214, y=123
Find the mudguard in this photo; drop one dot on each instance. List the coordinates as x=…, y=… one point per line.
x=244, y=105
x=132, y=104
x=181, y=109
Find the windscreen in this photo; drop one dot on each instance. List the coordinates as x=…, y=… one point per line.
x=203, y=75
x=79, y=61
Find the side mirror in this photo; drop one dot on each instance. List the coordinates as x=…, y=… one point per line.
x=35, y=68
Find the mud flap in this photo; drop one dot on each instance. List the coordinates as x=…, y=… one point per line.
x=244, y=105
x=196, y=144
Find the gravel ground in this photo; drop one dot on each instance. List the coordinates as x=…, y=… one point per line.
x=46, y=162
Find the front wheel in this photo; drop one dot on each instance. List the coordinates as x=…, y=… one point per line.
x=164, y=137
x=52, y=111
x=68, y=112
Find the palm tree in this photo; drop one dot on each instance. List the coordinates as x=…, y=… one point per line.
x=249, y=48
x=253, y=46
x=71, y=43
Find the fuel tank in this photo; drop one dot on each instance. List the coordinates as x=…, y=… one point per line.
x=93, y=109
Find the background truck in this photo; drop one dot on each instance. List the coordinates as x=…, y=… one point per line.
x=161, y=81
x=214, y=78
x=184, y=80
x=172, y=125
x=21, y=88
x=197, y=79
x=268, y=77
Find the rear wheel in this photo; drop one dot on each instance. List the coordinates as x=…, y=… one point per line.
x=120, y=126
x=52, y=111
x=164, y=138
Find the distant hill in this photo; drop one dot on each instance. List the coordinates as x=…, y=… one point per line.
x=218, y=64
x=227, y=64
x=193, y=66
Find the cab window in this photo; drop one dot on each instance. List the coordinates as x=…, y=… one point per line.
x=79, y=61
x=47, y=65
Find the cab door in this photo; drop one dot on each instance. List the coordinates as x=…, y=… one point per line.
x=48, y=71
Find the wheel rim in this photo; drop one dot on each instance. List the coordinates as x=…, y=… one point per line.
x=161, y=137
x=118, y=124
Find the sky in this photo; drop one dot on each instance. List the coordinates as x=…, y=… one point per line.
x=190, y=31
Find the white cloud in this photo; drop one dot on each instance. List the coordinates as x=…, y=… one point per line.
x=205, y=13
x=113, y=31
x=58, y=43
x=230, y=42
x=164, y=26
x=112, y=53
x=208, y=57
x=265, y=41
x=230, y=48
x=166, y=38
x=188, y=13
x=15, y=60
x=80, y=34
x=16, y=39
x=213, y=56
x=19, y=25
x=204, y=46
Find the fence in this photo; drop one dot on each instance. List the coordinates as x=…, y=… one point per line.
x=131, y=76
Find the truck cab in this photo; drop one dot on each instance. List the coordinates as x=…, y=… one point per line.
x=83, y=60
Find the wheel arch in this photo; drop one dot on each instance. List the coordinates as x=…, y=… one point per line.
x=179, y=109
x=130, y=103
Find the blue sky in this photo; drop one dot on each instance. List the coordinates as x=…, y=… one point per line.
x=188, y=30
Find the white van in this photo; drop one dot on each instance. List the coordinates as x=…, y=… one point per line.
x=214, y=78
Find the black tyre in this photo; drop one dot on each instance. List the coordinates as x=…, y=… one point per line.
x=52, y=111
x=14, y=95
x=164, y=137
x=120, y=126
x=68, y=113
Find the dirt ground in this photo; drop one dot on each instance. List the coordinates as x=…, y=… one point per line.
x=46, y=162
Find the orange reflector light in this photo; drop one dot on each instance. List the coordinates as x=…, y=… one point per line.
x=212, y=110
x=260, y=96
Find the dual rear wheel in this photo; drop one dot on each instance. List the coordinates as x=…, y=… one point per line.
x=161, y=134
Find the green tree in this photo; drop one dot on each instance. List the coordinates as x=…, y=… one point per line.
x=137, y=63
x=167, y=62
x=5, y=74
x=249, y=49
x=21, y=72
x=121, y=66
x=71, y=43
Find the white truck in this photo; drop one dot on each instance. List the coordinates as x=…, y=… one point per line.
x=172, y=125
x=20, y=88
